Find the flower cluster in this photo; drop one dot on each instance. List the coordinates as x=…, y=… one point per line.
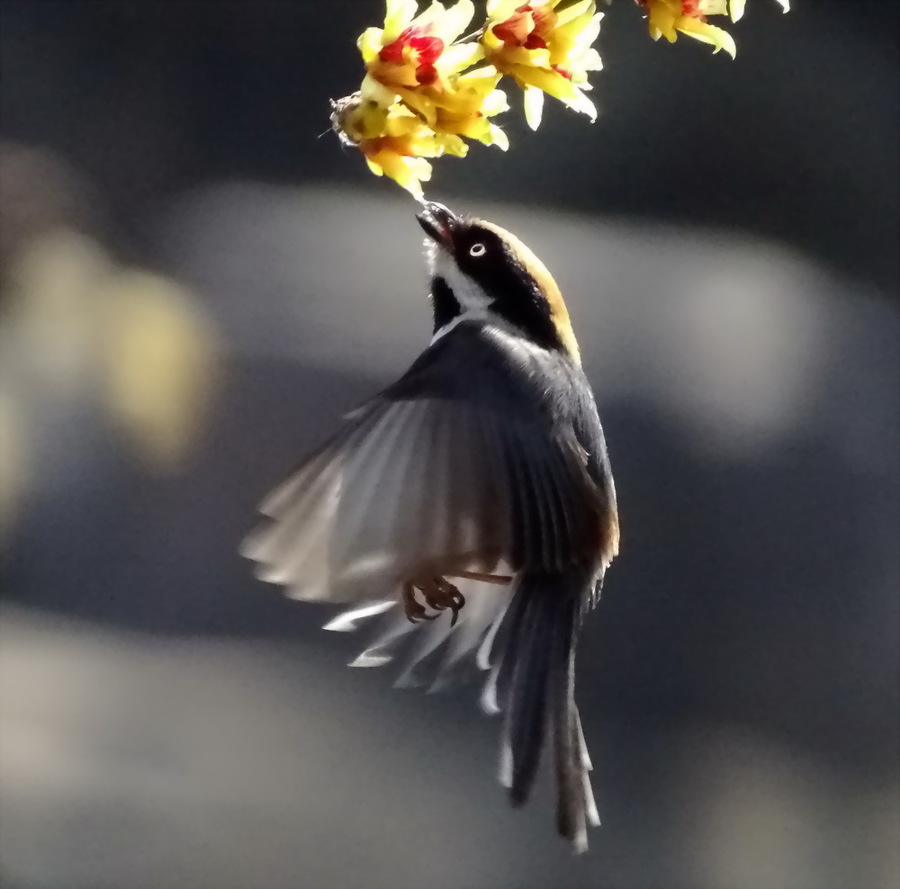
x=427, y=89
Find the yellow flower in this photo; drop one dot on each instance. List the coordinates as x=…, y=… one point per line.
x=668, y=17
x=394, y=141
x=545, y=50
x=412, y=52
x=412, y=59
x=429, y=106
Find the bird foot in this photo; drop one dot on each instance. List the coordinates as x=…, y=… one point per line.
x=439, y=595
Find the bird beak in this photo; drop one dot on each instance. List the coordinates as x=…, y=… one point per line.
x=439, y=224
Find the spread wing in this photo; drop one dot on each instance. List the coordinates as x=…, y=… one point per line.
x=460, y=465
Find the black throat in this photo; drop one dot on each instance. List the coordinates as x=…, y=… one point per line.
x=443, y=303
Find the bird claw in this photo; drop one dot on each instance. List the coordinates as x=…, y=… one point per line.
x=439, y=595
x=415, y=611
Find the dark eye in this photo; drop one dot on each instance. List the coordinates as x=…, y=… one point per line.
x=477, y=249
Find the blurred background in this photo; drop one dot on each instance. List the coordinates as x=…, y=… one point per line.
x=194, y=286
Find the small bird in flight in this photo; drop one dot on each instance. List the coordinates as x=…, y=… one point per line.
x=469, y=507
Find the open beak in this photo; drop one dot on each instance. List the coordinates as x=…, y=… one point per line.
x=439, y=224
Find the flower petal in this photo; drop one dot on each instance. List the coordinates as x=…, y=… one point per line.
x=452, y=144
x=407, y=172
x=370, y=42
x=534, y=106
x=736, y=8
x=459, y=56
x=427, y=21
x=494, y=103
x=397, y=16
x=499, y=138
x=455, y=20
x=376, y=92
x=546, y=79
x=591, y=61
x=582, y=104
x=710, y=34
x=591, y=31
x=564, y=16
x=501, y=9
x=422, y=103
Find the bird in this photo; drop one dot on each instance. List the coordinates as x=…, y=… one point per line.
x=468, y=511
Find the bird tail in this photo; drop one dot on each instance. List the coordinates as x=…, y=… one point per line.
x=533, y=680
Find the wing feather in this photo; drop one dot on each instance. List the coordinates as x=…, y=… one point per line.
x=372, y=503
x=436, y=475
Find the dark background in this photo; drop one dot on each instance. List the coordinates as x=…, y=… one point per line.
x=193, y=287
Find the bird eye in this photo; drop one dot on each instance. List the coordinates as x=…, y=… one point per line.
x=477, y=250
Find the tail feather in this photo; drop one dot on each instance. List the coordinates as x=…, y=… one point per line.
x=536, y=682
x=527, y=715
x=527, y=640
x=571, y=804
x=434, y=654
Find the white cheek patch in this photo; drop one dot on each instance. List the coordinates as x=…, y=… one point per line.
x=469, y=295
x=472, y=299
x=431, y=256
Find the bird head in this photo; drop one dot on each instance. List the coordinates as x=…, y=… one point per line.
x=481, y=271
